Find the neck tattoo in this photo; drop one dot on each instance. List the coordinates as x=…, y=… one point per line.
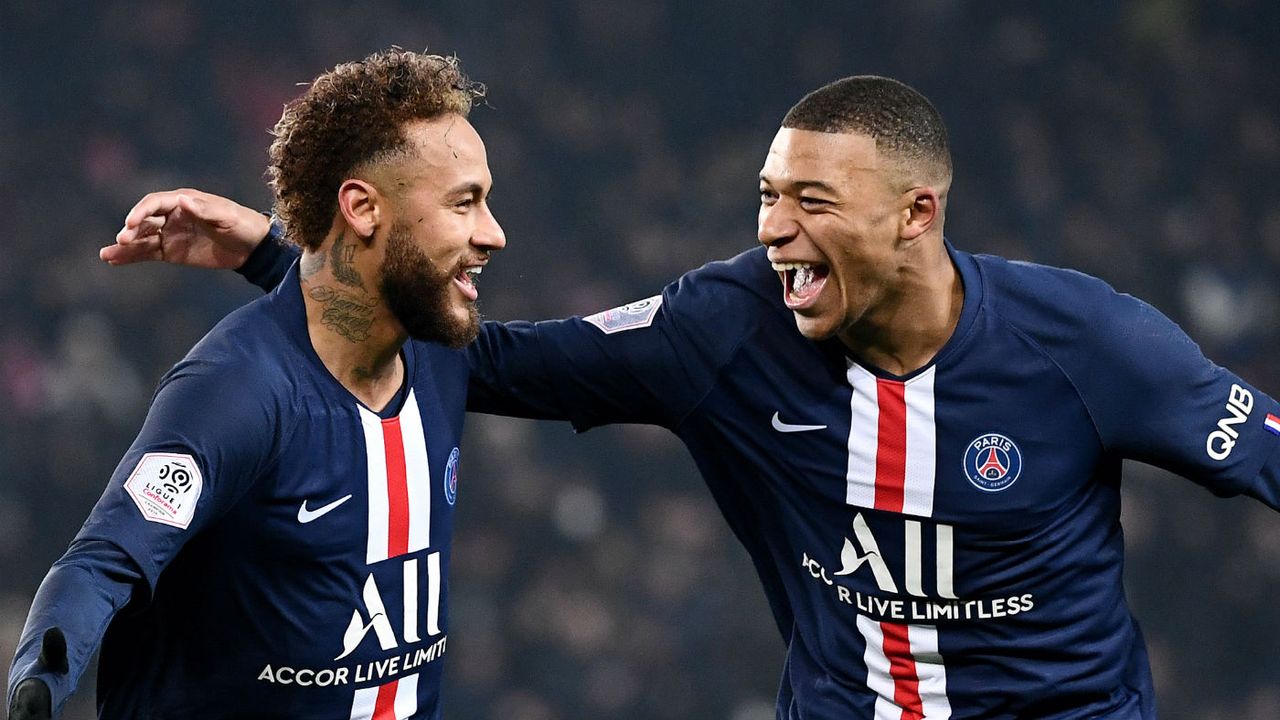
x=349, y=313
x=342, y=257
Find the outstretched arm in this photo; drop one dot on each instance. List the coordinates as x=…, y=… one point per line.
x=124, y=546
x=77, y=599
x=188, y=227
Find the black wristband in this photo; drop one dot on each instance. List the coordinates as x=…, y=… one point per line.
x=265, y=256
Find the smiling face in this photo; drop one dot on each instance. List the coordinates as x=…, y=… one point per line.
x=831, y=213
x=442, y=231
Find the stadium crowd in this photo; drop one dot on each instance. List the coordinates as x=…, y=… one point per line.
x=593, y=578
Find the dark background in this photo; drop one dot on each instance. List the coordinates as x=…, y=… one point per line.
x=1139, y=141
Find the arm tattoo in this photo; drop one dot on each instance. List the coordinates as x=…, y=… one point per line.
x=350, y=314
x=342, y=255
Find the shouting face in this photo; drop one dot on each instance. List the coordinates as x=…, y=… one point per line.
x=831, y=210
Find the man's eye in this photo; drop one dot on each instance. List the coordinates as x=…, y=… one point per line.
x=768, y=196
x=468, y=202
x=813, y=202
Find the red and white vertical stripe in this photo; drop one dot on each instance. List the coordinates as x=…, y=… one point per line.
x=905, y=671
x=399, y=483
x=396, y=700
x=892, y=443
x=892, y=463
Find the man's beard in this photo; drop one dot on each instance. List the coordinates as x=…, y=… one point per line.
x=418, y=293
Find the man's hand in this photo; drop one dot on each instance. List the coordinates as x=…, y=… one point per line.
x=32, y=700
x=188, y=227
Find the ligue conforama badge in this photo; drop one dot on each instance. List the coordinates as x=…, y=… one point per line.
x=992, y=462
x=166, y=488
x=451, y=477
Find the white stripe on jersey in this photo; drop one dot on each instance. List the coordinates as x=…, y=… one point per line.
x=418, y=474
x=376, y=461
x=364, y=702
x=922, y=445
x=407, y=696
x=861, y=476
x=931, y=671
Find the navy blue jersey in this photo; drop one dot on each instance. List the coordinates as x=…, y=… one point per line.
x=941, y=545
x=270, y=547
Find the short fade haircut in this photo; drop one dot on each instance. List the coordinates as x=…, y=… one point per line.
x=351, y=116
x=904, y=124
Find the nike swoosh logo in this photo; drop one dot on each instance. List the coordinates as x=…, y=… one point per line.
x=788, y=427
x=305, y=516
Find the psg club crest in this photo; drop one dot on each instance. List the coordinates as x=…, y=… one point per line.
x=451, y=477
x=992, y=462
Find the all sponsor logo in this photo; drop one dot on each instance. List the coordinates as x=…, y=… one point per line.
x=451, y=477
x=918, y=586
x=992, y=462
x=864, y=551
x=632, y=316
x=401, y=631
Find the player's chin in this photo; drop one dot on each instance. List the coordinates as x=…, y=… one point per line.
x=814, y=326
x=465, y=325
x=452, y=324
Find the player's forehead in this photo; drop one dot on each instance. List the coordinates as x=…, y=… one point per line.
x=449, y=152
x=806, y=157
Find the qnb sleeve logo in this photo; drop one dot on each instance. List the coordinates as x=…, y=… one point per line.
x=1219, y=444
x=166, y=487
x=992, y=462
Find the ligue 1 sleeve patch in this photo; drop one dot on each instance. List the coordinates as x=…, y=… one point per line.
x=165, y=487
x=639, y=314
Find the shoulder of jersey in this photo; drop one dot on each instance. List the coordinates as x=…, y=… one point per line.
x=249, y=342
x=1041, y=297
x=745, y=274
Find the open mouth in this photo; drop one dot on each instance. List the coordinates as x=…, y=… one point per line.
x=466, y=281
x=802, y=282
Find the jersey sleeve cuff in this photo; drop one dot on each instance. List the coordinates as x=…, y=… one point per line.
x=269, y=261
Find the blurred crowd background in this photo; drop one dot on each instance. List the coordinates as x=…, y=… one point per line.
x=593, y=578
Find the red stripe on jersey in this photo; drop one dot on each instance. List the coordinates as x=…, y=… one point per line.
x=397, y=490
x=891, y=447
x=902, y=667
x=385, y=708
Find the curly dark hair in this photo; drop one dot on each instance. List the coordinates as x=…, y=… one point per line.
x=904, y=124
x=351, y=116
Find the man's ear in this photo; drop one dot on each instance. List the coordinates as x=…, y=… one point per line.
x=922, y=212
x=361, y=206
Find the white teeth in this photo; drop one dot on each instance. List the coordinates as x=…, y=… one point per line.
x=803, y=277
x=783, y=267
